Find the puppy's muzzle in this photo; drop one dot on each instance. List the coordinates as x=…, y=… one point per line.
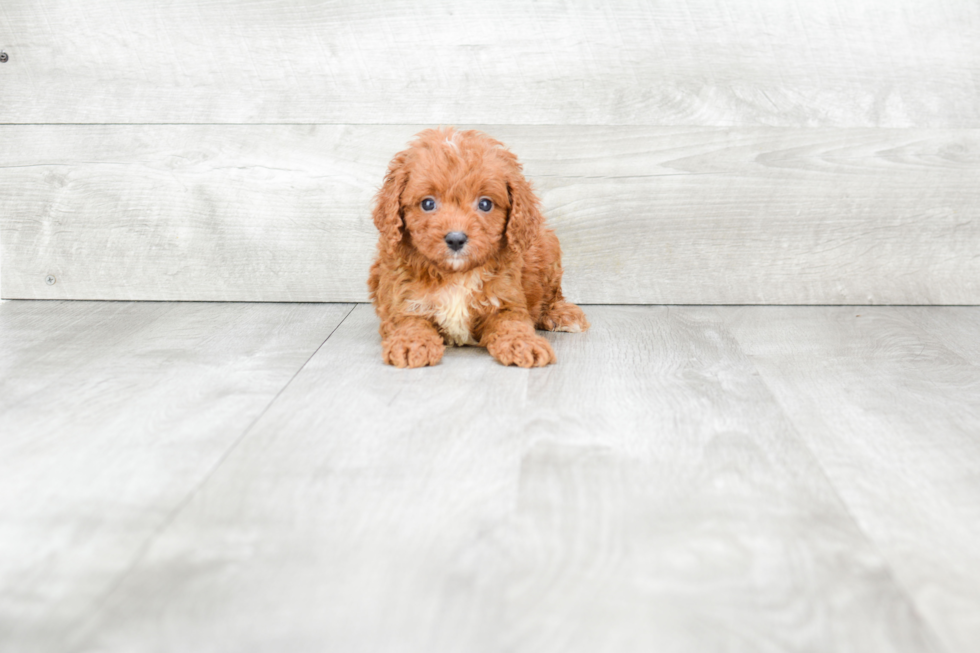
x=456, y=240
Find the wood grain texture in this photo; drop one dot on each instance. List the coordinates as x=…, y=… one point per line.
x=110, y=415
x=645, y=215
x=888, y=400
x=864, y=63
x=645, y=494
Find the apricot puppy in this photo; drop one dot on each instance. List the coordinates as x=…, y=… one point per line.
x=464, y=257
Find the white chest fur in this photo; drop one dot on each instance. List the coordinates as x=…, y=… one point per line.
x=451, y=307
x=453, y=314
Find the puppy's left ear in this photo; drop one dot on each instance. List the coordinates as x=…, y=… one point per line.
x=524, y=221
x=388, y=204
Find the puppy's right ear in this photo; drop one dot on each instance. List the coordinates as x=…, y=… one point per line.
x=388, y=205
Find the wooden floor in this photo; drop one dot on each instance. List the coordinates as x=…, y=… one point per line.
x=250, y=477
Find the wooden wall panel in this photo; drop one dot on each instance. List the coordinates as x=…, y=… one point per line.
x=645, y=215
x=864, y=63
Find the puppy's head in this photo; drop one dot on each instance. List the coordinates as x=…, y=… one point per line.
x=458, y=198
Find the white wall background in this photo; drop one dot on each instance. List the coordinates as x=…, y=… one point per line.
x=766, y=151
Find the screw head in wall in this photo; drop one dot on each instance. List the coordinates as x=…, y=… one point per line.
x=50, y=280
x=3, y=57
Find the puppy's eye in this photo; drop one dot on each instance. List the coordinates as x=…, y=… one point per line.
x=428, y=205
x=485, y=204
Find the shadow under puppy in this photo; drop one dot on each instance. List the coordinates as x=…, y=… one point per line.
x=464, y=257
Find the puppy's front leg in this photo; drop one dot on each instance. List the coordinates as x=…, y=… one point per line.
x=411, y=342
x=510, y=338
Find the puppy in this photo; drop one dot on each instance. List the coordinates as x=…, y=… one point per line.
x=464, y=257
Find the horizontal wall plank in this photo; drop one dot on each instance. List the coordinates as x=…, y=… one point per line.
x=645, y=215
x=865, y=63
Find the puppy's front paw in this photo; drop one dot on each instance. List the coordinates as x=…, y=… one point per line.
x=522, y=350
x=416, y=350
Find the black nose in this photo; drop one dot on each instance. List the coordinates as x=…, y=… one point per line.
x=456, y=240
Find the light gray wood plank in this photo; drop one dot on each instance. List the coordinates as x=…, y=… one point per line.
x=888, y=399
x=645, y=215
x=644, y=494
x=864, y=63
x=110, y=415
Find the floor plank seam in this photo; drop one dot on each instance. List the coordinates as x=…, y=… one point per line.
x=172, y=516
x=899, y=585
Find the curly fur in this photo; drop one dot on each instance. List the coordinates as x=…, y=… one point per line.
x=493, y=292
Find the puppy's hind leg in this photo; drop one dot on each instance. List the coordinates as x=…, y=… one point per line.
x=556, y=313
x=563, y=316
